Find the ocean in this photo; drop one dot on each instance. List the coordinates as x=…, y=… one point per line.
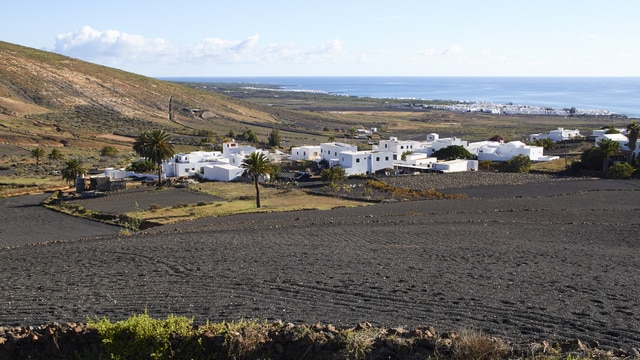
x=619, y=95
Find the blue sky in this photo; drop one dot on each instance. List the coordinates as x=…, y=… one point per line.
x=337, y=38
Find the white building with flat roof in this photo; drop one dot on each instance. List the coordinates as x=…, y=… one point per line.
x=365, y=162
x=601, y=134
x=188, y=164
x=305, y=152
x=557, y=135
x=222, y=172
x=498, y=151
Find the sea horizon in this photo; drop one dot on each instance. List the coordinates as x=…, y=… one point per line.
x=619, y=95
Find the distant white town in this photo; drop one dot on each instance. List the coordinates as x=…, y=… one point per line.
x=511, y=109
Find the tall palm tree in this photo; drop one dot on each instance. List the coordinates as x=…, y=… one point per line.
x=155, y=147
x=608, y=148
x=256, y=164
x=73, y=168
x=37, y=153
x=633, y=130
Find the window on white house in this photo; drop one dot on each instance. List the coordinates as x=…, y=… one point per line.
x=357, y=160
x=377, y=158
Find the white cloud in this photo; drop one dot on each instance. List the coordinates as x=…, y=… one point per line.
x=115, y=47
x=91, y=44
x=454, y=49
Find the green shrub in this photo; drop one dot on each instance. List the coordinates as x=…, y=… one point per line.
x=518, y=164
x=453, y=152
x=140, y=336
x=620, y=171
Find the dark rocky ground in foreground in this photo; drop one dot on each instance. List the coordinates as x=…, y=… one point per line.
x=537, y=260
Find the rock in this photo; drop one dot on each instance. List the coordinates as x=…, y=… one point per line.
x=431, y=331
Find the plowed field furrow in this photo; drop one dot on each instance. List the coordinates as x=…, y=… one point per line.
x=532, y=267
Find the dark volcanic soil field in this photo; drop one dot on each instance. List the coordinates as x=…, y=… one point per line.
x=536, y=262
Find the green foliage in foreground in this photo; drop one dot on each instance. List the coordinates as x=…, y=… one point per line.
x=142, y=337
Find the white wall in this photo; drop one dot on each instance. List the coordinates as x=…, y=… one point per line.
x=457, y=165
x=331, y=150
x=365, y=162
x=305, y=152
x=504, y=152
x=222, y=172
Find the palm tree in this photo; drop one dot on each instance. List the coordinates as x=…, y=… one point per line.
x=633, y=130
x=155, y=147
x=55, y=155
x=256, y=164
x=37, y=153
x=73, y=168
x=608, y=148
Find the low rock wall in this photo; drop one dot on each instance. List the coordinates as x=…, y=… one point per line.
x=289, y=341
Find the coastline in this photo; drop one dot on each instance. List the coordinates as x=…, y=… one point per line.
x=604, y=94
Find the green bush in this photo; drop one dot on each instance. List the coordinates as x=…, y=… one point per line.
x=620, y=171
x=518, y=164
x=592, y=159
x=140, y=336
x=453, y=152
x=142, y=166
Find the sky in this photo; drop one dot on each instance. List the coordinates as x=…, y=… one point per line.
x=219, y=38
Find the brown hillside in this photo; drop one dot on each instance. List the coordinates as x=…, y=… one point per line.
x=81, y=95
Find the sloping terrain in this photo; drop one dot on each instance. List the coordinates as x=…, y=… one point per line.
x=45, y=95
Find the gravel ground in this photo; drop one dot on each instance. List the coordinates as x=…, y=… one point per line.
x=541, y=260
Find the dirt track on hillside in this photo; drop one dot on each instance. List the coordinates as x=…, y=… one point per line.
x=535, y=262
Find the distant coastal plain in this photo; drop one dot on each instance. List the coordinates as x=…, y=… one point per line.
x=615, y=95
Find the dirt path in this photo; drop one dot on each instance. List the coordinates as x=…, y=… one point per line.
x=561, y=265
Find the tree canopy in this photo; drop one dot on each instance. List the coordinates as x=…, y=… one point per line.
x=72, y=169
x=256, y=165
x=154, y=146
x=608, y=148
x=55, y=155
x=274, y=138
x=37, y=153
x=633, y=130
x=453, y=152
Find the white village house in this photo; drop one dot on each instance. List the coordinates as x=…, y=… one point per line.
x=601, y=134
x=560, y=134
x=211, y=165
x=498, y=151
x=365, y=162
x=191, y=163
x=305, y=152
x=399, y=155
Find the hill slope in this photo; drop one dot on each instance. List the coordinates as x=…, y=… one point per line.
x=54, y=90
